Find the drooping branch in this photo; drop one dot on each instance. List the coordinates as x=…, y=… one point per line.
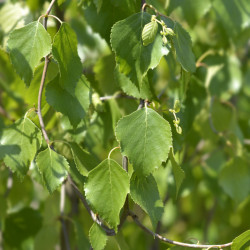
x=39, y=113
x=45, y=68
x=177, y=243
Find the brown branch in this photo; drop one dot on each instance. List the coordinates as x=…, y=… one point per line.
x=94, y=217
x=177, y=243
x=45, y=68
x=39, y=113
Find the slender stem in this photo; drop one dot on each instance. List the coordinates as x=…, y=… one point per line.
x=94, y=217
x=45, y=20
x=50, y=7
x=64, y=227
x=55, y=17
x=112, y=151
x=177, y=243
x=39, y=113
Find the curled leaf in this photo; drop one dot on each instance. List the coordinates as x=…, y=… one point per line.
x=149, y=32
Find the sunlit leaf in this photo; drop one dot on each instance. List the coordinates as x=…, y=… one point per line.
x=145, y=138
x=27, y=46
x=53, y=168
x=97, y=237
x=133, y=58
x=242, y=241
x=149, y=32
x=107, y=182
x=19, y=144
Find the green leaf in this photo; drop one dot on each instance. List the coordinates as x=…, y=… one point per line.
x=183, y=48
x=234, y=15
x=73, y=103
x=19, y=144
x=21, y=225
x=106, y=189
x=27, y=46
x=97, y=237
x=110, y=12
x=179, y=174
x=242, y=241
x=234, y=178
x=133, y=59
x=149, y=32
x=144, y=91
x=145, y=138
x=84, y=160
x=144, y=191
x=64, y=50
x=53, y=168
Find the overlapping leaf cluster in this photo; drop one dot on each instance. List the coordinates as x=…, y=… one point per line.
x=114, y=50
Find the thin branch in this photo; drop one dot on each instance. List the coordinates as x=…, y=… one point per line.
x=64, y=227
x=142, y=104
x=45, y=68
x=177, y=243
x=94, y=217
x=50, y=7
x=39, y=113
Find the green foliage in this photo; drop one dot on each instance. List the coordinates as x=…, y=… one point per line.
x=149, y=32
x=28, y=45
x=167, y=84
x=72, y=103
x=107, y=182
x=183, y=47
x=144, y=191
x=242, y=241
x=133, y=59
x=97, y=237
x=64, y=51
x=150, y=142
x=53, y=168
x=19, y=144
